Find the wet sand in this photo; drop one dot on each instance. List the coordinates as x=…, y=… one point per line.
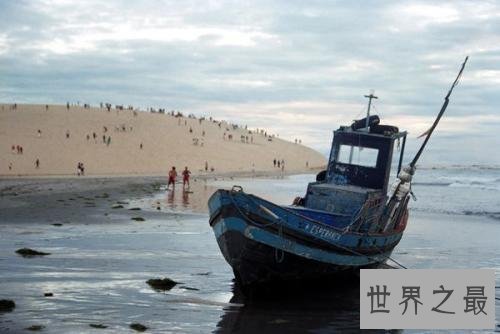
x=101, y=259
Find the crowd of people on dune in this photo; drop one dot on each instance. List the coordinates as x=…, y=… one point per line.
x=105, y=138
x=17, y=149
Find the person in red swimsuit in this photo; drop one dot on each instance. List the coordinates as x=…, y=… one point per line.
x=172, y=175
x=185, y=177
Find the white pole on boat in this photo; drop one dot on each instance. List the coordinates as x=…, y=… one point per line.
x=370, y=97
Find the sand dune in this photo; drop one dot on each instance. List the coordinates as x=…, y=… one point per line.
x=166, y=141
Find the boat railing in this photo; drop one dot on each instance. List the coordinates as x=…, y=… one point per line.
x=270, y=209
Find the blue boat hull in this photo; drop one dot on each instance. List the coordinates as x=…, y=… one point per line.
x=263, y=249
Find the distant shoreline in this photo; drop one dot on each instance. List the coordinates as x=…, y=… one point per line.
x=260, y=174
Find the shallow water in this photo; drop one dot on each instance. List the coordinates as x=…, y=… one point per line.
x=97, y=272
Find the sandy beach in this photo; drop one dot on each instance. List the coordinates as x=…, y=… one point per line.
x=108, y=236
x=128, y=142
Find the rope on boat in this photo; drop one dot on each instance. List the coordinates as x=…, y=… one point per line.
x=390, y=258
x=279, y=254
x=280, y=258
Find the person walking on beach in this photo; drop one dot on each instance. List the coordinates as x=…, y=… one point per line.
x=39, y=133
x=206, y=166
x=274, y=162
x=80, y=170
x=185, y=177
x=67, y=134
x=37, y=163
x=172, y=175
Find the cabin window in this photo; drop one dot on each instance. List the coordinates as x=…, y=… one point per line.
x=358, y=155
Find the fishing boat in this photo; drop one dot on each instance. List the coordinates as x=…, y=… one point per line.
x=350, y=217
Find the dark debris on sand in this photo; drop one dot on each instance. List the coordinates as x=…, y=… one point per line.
x=7, y=305
x=163, y=284
x=28, y=252
x=138, y=327
x=100, y=326
x=138, y=219
x=35, y=328
x=48, y=294
x=117, y=206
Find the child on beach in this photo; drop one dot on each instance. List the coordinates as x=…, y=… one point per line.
x=172, y=175
x=185, y=177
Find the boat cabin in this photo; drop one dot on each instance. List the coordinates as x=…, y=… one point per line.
x=358, y=170
x=362, y=158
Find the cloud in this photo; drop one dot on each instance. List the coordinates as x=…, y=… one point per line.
x=299, y=69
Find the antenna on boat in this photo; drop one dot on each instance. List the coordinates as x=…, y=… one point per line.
x=441, y=112
x=370, y=97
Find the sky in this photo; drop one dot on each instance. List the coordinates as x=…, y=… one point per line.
x=297, y=68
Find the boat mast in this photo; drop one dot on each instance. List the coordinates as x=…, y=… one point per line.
x=367, y=124
x=370, y=97
x=441, y=112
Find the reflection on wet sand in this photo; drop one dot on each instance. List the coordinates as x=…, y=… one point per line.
x=307, y=307
x=192, y=198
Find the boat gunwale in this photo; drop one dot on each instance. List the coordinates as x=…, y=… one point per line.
x=303, y=238
x=342, y=231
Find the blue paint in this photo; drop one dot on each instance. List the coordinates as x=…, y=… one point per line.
x=273, y=240
x=345, y=219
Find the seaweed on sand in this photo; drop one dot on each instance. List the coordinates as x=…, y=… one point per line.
x=138, y=327
x=7, y=305
x=28, y=252
x=35, y=328
x=162, y=284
